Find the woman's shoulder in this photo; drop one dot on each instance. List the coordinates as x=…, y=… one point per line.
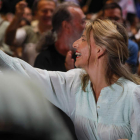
x=69, y=75
x=76, y=71
x=131, y=87
x=128, y=84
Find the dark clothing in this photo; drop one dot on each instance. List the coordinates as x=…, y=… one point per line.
x=133, y=56
x=50, y=59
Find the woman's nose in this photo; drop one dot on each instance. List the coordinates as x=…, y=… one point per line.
x=75, y=44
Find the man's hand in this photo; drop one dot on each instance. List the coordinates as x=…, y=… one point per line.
x=20, y=8
x=69, y=62
x=14, y=25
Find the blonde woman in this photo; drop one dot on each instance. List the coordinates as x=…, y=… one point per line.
x=102, y=98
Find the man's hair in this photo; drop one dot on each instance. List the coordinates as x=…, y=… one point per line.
x=62, y=14
x=35, y=5
x=112, y=5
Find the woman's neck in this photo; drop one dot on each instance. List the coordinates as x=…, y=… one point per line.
x=98, y=81
x=97, y=75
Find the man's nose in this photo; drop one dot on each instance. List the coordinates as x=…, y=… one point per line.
x=49, y=13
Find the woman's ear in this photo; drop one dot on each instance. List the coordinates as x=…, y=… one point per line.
x=100, y=52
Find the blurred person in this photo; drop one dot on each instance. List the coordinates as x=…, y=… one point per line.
x=133, y=27
x=132, y=21
x=9, y=17
x=28, y=14
x=24, y=112
x=28, y=36
x=102, y=97
x=3, y=26
x=24, y=22
x=137, y=5
x=68, y=24
x=114, y=12
x=128, y=6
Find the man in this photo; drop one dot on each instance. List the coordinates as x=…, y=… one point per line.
x=27, y=36
x=28, y=14
x=68, y=22
x=114, y=12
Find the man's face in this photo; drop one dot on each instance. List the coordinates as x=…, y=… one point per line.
x=44, y=12
x=113, y=14
x=77, y=22
x=27, y=14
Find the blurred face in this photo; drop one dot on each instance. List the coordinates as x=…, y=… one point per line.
x=27, y=14
x=113, y=14
x=22, y=23
x=44, y=12
x=77, y=23
x=84, y=58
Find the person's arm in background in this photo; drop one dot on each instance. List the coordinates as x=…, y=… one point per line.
x=12, y=28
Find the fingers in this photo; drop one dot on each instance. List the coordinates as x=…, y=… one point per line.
x=20, y=8
x=69, y=55
x=69, y=62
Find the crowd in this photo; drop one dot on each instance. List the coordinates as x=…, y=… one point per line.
x=25, y=35
x=85, y=59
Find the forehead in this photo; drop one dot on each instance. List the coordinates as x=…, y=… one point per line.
x=46, y=4
x=76, y=12
x=90, y=35
x=26, y=9
x=112, y=12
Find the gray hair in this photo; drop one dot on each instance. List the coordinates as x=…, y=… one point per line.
x=46, y=40
x=62, y=14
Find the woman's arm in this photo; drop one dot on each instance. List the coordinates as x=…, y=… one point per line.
x=60, y=87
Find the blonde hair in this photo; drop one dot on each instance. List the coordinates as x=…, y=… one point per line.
x=113, y=37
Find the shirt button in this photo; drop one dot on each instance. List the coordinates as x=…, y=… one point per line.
x=98, y=106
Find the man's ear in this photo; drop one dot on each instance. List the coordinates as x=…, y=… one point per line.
x=100, y=51
x=66, y=26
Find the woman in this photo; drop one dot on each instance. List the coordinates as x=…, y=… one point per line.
x=103, y=99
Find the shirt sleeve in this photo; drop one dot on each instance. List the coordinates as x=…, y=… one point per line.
x=60, y=87
x=135, y=116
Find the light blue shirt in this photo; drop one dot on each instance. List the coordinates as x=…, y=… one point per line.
x=116, y=115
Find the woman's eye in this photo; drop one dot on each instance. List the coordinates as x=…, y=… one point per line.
x=83, y=39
